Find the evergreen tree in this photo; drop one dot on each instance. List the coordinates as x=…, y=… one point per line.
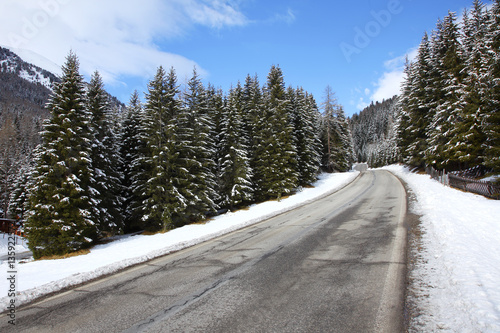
x=275, y=171
x=305, y=116
x=130, y=152
x=105, y=160
x=216, y=111
x=467, y=138
x=161, y=179
x=491, y=114
x=197, y=151
x=337, y=140
x=254, y=125
x=421, y=105
x=236, y=174
x=61, y=217
x=404, y=137
x=450, y=64
x=343, y=140
x=454, y=92
x=19, y=198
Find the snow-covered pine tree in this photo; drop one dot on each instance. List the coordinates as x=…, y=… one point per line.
x=253, y=124
x=403, y=136
x=235, y=174
x=420, y=105
x=337, y=140
x=161, y=178
x=197, y=151
x=61, y=210
x=491, y=116
x=216, y=107
x=450, y=64
x=105, y=160
x=276, y=167
x=130, y=153
x=344, y=141
x=392, y=149
x=305, y=116
x=317, y=120
x=467, y=138
x=374, y=133
x=19, y=198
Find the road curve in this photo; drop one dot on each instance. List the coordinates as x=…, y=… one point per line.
x=336, y=265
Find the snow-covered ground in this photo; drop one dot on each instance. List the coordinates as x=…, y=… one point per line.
x=21, y=245
x=456, y=278
x=37, y=278
x=457, y=274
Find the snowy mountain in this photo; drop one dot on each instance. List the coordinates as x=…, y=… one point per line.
x=21, y=63
x=10, y=62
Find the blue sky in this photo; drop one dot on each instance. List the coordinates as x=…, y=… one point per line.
x=356, y=47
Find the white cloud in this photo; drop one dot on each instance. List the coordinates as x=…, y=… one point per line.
x=361, y=104
x=119, y=38
x=389, y=84
x=288, y=17
x=215, y=14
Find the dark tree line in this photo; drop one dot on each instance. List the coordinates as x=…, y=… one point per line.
x=374, y=133
x=450, y=104
x=447, y=115
x=175, y=159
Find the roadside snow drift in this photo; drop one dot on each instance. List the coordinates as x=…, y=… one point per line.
x=457, y=276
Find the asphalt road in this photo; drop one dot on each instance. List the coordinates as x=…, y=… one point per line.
x=336, y=265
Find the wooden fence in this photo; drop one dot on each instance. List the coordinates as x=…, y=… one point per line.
x=465, y=182
x=475, y=186
x=440, y=176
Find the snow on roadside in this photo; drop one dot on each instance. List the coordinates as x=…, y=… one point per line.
x=457, y=275
x=4, y=244
x=38, y=278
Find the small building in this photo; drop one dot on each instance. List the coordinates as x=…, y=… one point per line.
x=361, y=167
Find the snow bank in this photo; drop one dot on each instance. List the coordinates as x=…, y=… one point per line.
x=45, y=276
x=458, y=273
x=4, y=244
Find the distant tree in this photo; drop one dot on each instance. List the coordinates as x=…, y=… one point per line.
x=329, y=109
x=62, y=217
x=19, y=198
x=337, y=139
x=343, y=140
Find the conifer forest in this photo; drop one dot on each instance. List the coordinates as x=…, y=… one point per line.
x=179, y=157
x=78, y=166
